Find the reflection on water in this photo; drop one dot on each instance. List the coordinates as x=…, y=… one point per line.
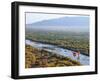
x=83, y=59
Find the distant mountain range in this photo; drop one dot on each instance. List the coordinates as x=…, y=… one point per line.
x=81, y=23
x=64, y=21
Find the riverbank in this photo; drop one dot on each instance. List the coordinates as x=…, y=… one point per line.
x=44, y=42
x=41, y=58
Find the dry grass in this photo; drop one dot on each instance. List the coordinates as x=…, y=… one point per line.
x=41, y=58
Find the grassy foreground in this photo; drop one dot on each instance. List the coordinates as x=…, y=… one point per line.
x=40, y=58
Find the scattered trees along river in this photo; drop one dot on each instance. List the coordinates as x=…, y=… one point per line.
x=70, y=40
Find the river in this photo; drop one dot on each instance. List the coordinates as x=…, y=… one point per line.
x=84, y=59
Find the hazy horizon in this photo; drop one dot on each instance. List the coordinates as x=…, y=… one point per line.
x=55, y=22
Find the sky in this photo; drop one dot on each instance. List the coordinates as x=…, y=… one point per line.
x=36, y=17
x=61, y=22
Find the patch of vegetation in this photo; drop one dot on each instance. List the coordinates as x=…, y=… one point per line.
x=40, y=58
x=72, y=40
